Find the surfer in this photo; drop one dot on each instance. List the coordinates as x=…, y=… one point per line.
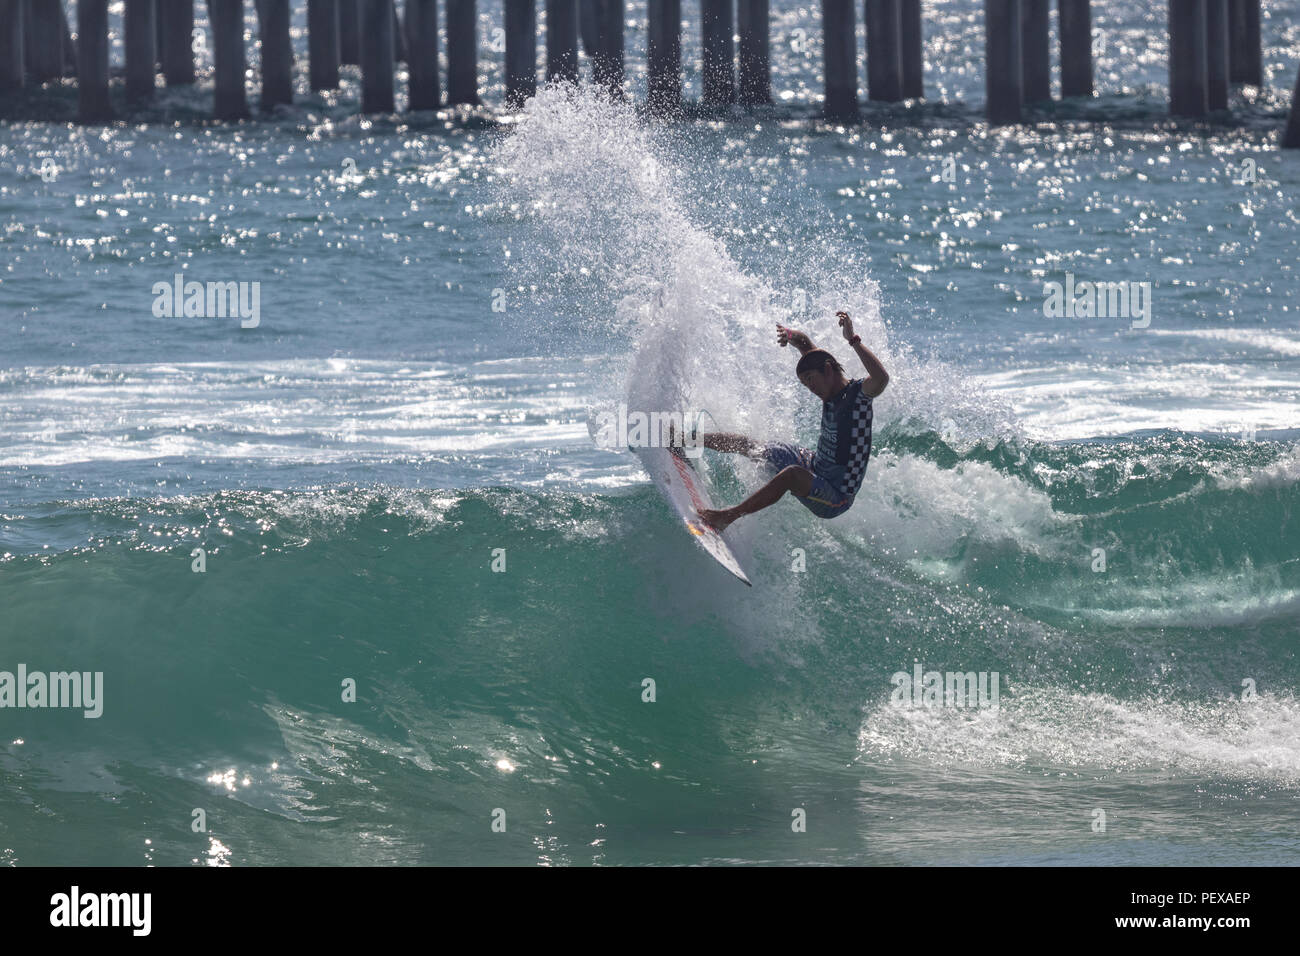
x=826, y=481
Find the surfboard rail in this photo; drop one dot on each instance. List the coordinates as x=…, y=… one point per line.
x=679, y=482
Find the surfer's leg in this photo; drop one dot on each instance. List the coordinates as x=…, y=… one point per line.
x=798, y=481
x=824, y=500
x=777, y=455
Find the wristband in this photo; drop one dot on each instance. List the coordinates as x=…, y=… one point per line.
x=855, y=340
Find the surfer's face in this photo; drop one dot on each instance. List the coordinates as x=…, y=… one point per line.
x=819, y=383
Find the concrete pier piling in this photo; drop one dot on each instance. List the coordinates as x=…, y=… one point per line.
x=43, y=26
x=1245, y=58
x=664, y=57
x=884, y=20
x=376, y=47
x=323, y=50
x=350, y=32
x=139, y=37
x=1075, y=29
x=1213, y=44
x=1216, y=54
x=69, y=47
x=1035, y=50
x=422, y=47
x=12, y=62
x=462, y=52
x=1291, y=135
x=719, y=52
x=753, y=53
x=840, y=66
x=226, y=19
x=176, y=53
x=92, y=62
x=562, y=40
x=587, y=25
x=1003, y=71
x=521, y=51
x=401, y=53
x=913, y=42
x=607, y=56
x=277, y=53
x=1189, y=93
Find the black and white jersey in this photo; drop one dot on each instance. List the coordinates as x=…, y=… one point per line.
x=845, y=442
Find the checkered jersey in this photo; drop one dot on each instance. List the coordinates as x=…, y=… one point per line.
x=845, y=442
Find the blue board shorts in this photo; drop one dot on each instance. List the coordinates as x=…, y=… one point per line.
x=823, y=499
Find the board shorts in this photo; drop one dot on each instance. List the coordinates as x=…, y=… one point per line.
x=822, y=499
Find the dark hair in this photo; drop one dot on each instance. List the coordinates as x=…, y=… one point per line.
x=815, y=360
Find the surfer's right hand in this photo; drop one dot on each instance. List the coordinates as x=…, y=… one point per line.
x=786, y=337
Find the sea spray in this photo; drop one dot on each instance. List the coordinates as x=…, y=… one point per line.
x=604, y=200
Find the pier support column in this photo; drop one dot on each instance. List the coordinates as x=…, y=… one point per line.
x=160, y=41
x=1216, y=53
x=462, y=52
x=401, y=51
x=607, y=60
x=277, y=53
x=913, y=43
x=587, y=26
x=562, y=41
x=12, y=65
x=1189, y=93
x=521, y=51
x=1246, y=61
x=884, y=20
x=350, y=32
x=43, y=55
x=323, y=44
x=664, y=57
x=92, y=62
x=1035, y=50
x=839, y=60
x=422, y=48
x=754, y=53
x=376, y=43
x=139, y=35
x=1291, y=135
x=69, y=48
x=226, y=20
x=719, y=52
x=1076, y=48
x=176, y=27
x=1002, y=62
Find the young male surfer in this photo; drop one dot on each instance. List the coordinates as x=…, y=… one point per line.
x=826, y=481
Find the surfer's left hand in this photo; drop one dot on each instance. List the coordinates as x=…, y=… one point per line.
x=846, y=324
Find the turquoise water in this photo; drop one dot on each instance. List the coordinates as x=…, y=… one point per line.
x=436, y=334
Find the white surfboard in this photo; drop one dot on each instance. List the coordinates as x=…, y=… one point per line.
x=676, y=478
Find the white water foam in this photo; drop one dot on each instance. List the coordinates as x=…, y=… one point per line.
x=1056, y=729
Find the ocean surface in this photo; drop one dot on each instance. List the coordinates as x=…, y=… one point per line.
x=390, y=481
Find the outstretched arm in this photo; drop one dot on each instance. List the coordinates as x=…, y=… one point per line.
x=799, y=340
x=877, y=377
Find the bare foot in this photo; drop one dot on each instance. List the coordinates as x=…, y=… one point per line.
x=718, y=519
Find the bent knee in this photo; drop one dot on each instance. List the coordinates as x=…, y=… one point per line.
x=796, y=480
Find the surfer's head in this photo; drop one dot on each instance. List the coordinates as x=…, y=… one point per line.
x=819, y=371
